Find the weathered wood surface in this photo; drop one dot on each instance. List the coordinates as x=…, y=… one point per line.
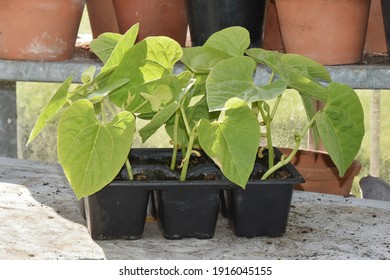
x=40, y=219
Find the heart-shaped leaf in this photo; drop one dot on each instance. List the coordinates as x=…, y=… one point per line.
x=306, y=65
x=232, y=142
x=202, y=59
x=231, y=40
x=299, y=72
x=125, y=43
x=111, y=47
x=226, y=43
x=103, y=45
x=90, y=152
x=341, y=125
x=147, y=62
x=233, y=77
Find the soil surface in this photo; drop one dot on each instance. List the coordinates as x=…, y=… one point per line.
x=370, y=58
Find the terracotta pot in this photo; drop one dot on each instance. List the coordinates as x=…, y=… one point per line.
x=320, y=173
x=386, y=21
x=329, y=31
x=156, y=17
x=102, y=17
x=375, y=38
x=40, y=29
x=272, y=36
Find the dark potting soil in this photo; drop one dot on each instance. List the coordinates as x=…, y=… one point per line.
x=370, y=58
x=201, y=168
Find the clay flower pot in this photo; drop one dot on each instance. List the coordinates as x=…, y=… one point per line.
x=102, y=17
x=272, y=36
x=329, y=31
x=375, y=38
x=156, y=17
x=320, y=173
x=40, y=29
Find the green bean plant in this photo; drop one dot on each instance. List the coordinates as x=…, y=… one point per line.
x=206, y=99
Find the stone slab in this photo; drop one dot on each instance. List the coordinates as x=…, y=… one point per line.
x=40, y=219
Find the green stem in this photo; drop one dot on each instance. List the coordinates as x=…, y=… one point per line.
x=267, y=119
x=275, y=106
x=175, y=130
x=298, y=139
x=186, y=160
x=107, y=103
x=103, y=113
x=255, y=109
x=282, y=162
x=271, y=78
x=129, y=170
x=184, y=117
x=308, y=125
x=269, y=144
x=186, y=91
x=140, y=106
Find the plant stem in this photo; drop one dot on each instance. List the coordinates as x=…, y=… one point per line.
x=269, y=144
x=129, y=170
x=271, y=78
x=103, y=113
x=255, y=109
x=175, y=129
x=298, y=139
x=275, y=106
x=186, y=160
x=109, y=106
x=267, y=119
x=185, y=121
x=140, y=106
x=282, y=162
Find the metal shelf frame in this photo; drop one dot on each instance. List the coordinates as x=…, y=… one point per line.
x=12, y=71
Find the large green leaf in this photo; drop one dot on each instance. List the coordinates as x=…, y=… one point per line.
x=90, y=152
x=226, y=43
x=272, y=59
x=103, y=45
x=231, y=40
x=141, y=97
x=233, y=77
x=341, y=125
x=299, y=72
x=55, y=104
x=306, y=65
x=125, y=43
x=147, y=62
x=232, y=142
x=202, y=59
